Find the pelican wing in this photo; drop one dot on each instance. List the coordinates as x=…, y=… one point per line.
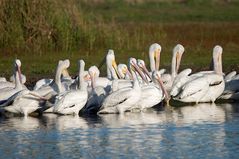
x=13, y=97
x=117, y=97
x=70, y=99
x=193, y=87
x=180, y=80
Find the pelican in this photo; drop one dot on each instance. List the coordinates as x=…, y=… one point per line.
x=205, y=86
x=72, y=101
x=123, y=99
x=24, y=102
x=7, y=92
x=152, y=94
x=176, y=60
x=154, y=56
x=97, y=94
x=111, y=66
x=111, y=71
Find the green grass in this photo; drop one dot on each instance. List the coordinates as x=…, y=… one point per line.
x=86, y=30
x=164, y=11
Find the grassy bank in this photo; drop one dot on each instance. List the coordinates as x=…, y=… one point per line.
x=42, y=32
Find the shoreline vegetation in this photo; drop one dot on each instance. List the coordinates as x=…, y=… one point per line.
x=40, y=33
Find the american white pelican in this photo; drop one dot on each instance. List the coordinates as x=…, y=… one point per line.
x=97, y=94
x=24, y=102
x=7, y=92
x=125, y=98
x=205, y=86
x=185, y=77
x=111, y=71
x=176, y=60
x=154, y=56
x=72, y=101
x=111, y=65
x=152, y=94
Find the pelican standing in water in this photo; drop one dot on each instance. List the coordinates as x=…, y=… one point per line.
x=125, y=98
x=72, y=101
x=7, y=92
x=97, y=93
x=152, y=94
x=24, y=102
x=205, y=86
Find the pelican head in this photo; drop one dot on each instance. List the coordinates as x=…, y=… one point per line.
x=177, y=56
x=111, y=63
x=123, y=71
x=178, y=50
x=65, y=72
x=154, y=56
x=64, y=64
x=134, y=67
x=217, y=59
x=94, y=73
x=141, y=64
x=18, y=63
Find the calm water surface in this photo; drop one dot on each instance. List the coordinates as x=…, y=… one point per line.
x=199, y=131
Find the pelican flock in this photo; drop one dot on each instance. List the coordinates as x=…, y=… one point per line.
x=126, y=88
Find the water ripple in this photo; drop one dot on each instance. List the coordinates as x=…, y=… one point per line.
x=200, y=131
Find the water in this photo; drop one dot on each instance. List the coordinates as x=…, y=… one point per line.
x=200, y=131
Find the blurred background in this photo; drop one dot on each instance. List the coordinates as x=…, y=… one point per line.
x=41, y=32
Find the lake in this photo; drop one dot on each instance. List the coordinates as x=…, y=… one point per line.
x=199, y=131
